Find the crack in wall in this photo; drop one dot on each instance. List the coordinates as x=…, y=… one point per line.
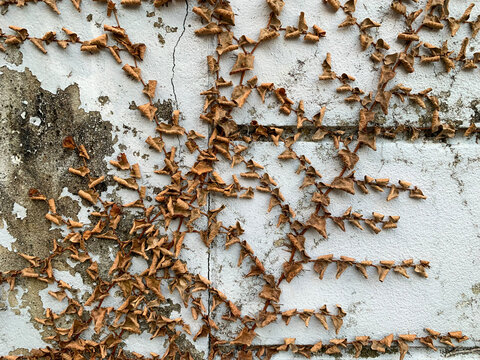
x=174, y=51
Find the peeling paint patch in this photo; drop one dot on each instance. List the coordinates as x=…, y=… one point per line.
x=34, y=120
x=19, y=211
x=6, y=240
x=17, y=332
x=49, y=302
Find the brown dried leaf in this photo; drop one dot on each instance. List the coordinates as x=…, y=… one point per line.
x=321, y=264
x=148, y=110
x=244, y=62
x=368, y=139
x=349, y=21
x=150, y=88
x=318, y=223
x=334, y=4
x=327, y=74
x=245, y=337
x=276, y=6
x=349, y=158
x=156, y=143
x=68, y=143
x=210, y=29
x=133, y=72
x=240, y=94
x=89, y=195
x=204, y=12
x=129, y=183
x=267, y=34
x=291, y=270
x=81, y=171
x=344, y=184
x=39, y=44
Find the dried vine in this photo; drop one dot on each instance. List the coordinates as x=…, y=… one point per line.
x=157, y=234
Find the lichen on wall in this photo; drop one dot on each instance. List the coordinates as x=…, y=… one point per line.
x=32, y=126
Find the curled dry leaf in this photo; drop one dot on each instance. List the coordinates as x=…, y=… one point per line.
x=327, y=74
x=89, y=195
x=349, y=158
x=292, y=270
x=244, y=62
x=129, y=183
x=149, y=88
x=276, y=6
x=148, y=110
x=81, y=171
x=245, y=337
x=334, y=4
x=133, y=72
x=240, y=94
x=210, y=29
x=344, y=184
x=267, y=34
x=318, y=223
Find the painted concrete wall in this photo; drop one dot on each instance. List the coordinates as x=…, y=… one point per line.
x=90, y=94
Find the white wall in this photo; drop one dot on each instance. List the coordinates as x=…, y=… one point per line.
x=442, y=229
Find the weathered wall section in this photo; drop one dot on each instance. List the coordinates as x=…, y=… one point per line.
x=44, y=98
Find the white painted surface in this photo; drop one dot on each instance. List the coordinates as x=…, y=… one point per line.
x=17, y=331
x=443, y=229
x=19, y=211
x=6, y=239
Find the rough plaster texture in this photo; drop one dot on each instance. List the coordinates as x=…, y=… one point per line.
x=44, y=97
